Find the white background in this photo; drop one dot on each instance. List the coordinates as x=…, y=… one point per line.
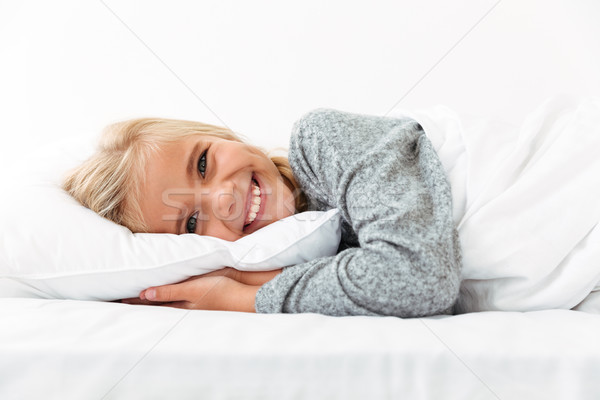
x=71, y=67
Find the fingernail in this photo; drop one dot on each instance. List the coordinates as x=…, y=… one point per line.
x=150, y=294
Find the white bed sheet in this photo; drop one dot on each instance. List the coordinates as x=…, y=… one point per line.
x=64, y=349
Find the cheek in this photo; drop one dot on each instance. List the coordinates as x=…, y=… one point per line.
x=290, y=203
x=220, y=231
x=285, y=200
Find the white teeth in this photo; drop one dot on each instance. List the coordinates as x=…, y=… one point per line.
x=255, y=204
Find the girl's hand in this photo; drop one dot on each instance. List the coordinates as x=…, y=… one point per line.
x=201, y=293
x=247, y=277
x=226, y=289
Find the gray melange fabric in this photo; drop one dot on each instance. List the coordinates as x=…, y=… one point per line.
x=400, y=253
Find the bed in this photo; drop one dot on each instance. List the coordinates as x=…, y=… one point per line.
x=64, y=63
x=92, y=350
x=529, y=335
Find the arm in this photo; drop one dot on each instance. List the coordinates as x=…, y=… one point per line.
x=402, y=256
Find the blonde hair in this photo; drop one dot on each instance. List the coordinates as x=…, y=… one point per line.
x=109, y=182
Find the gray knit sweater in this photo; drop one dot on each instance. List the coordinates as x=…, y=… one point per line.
x=399, y=253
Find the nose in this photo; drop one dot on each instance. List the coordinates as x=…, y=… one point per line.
x=223, y=201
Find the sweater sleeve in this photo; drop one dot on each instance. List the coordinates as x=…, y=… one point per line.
x=400, y=253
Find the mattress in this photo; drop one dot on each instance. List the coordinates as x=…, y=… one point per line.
x=66, y=349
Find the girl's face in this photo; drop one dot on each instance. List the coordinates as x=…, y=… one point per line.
x=214, y=187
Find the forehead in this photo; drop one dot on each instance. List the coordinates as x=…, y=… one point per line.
x=179, y=147
x=175, y=155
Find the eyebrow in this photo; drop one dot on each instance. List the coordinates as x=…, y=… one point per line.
x=192, y=157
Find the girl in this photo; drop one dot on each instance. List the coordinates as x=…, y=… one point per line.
x=399, y=254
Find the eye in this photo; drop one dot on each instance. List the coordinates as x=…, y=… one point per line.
x=190, y=227
x=202, y=163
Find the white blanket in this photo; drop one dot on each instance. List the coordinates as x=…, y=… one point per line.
x=526, y=204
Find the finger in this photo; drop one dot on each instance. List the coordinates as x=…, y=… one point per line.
x=146, y=292
x=165, y=294
x=227, y=271
x=175, y=304
x=127, y=300
x=136, y=301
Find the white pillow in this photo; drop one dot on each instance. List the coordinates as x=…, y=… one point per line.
x=52, y=247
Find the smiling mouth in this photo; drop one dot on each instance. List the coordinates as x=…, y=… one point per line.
x=254, y=203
